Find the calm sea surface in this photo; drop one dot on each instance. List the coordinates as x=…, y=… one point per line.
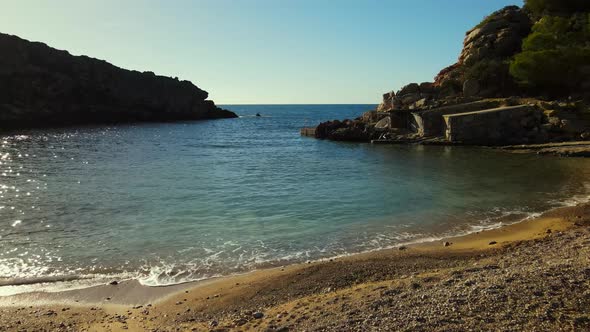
x=168, y=203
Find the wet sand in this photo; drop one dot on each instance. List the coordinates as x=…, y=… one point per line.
x=534, y=275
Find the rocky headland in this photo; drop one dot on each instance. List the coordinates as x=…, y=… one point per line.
x=42, y=87
x=480, y=99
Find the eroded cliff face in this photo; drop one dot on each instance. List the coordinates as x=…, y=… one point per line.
x=41, y=86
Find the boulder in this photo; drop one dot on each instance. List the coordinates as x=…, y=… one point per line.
x=410, y=98
x=450, y=73
x=498, y=36
x=373, y=116
x=388, y=102
x=427, y=88
x=389, y=96
x=412, y=88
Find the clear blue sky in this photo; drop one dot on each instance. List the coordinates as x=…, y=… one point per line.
x=262, y=51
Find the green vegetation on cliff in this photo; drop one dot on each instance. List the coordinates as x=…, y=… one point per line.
x=556, y=7
x=555, y=57
x=541, y=50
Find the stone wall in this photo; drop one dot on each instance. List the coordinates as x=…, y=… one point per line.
x=431, y=123
x=500, y=126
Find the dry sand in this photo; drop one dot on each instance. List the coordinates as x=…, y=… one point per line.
x=532, y=276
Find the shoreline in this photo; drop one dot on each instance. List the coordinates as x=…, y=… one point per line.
x=268, y=289
x=66, y=284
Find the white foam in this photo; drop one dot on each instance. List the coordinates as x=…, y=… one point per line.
x=216, y=264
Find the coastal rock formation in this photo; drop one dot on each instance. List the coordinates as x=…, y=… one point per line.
x=498, y=36
x=372, y=125
x=485, y=50
x=480, y=83
x=41, y=86
x=411, y=96
x=347, y=130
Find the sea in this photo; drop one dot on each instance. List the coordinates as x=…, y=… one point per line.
x=168, y=203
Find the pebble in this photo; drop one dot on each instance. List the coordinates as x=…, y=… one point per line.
x=240, y=322
x=257, y=315
x=114, y=283
x=493, y=242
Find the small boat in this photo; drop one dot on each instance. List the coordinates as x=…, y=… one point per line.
x=258, y=114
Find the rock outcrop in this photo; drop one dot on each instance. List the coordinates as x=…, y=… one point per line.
x=41, y=86
x=500, y=35
x=485, y=50
x=470, y=102
x=481, y=71
x=411, y=96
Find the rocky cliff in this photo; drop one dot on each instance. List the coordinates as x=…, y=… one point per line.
x=481, y=70
x=471, y=101
x=482, y=67
x=41, y=86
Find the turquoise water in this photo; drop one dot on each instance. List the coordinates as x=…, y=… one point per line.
x=168, y=203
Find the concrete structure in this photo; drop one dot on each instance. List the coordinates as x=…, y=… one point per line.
x=308, y=131
x=499, y=126
x=430, y=123
x=384, y=123
x=476, y=123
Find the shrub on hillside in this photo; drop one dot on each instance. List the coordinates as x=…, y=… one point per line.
x=555, y=57
x=493, y=75
x=556, y=7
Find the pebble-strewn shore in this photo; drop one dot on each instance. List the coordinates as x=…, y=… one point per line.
x=533, y=276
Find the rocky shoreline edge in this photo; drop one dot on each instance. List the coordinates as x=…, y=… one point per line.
x=531, y=274
x=479, y=100
x=518, y=125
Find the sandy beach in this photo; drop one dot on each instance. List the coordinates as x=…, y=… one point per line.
x=533, y=275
